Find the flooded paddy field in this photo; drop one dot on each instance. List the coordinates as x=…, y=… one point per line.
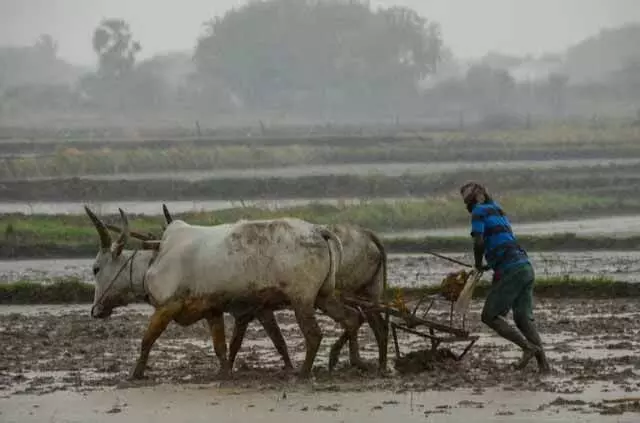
x=404, y=269
x=57, y=364
x=153, y=208
x=389, y=169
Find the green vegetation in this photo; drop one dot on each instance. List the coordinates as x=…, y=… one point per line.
x=60, y=291
x=73, y=291
x=377, y=215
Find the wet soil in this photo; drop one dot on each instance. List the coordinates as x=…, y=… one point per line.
x=592, y=346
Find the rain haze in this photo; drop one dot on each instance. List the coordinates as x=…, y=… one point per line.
x=472, y=28
x=120, y=117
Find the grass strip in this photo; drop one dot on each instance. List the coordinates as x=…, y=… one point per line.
x=378, y=215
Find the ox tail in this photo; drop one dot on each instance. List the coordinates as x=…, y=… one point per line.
x=382, y=265
x=335, y=259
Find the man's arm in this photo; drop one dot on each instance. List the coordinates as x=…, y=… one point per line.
x=477, y=232
x=478, y=250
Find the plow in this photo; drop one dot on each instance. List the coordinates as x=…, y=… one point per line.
x=455, y=292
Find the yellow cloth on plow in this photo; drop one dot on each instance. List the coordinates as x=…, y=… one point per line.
x=464, y=299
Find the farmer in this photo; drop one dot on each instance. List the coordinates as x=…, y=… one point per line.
x=513, y=276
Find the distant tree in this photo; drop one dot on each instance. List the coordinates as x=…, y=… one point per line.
x=321, y=54
x=557, y=91
x=115, y=47
x=490, y=89
x=115, y=84
x=593, y=59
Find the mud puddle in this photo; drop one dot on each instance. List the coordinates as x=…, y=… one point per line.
x=206, y=403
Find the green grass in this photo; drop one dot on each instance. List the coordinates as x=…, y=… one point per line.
x=377, y=215
x=73, y=291
x=60, y=291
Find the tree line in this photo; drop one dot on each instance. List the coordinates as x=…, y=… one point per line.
x=325, y=59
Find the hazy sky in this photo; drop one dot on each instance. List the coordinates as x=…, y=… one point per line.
x=470, y=27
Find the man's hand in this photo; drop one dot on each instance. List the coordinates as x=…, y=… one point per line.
x=481, y=268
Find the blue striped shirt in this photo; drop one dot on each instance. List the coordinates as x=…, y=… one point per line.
x=501, y=249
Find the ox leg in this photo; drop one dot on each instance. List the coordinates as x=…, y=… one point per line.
x=158, y=323
x=381, y=332
x=270, y=325
x=305, y=315
x=349, y=320
x=336, y=348
x=216, y=326
x=239, y=329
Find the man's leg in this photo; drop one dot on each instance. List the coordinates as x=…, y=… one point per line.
x=523, y=317
x=501, y=298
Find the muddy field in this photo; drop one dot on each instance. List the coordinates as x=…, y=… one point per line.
x=152, y=208
x=50, y=353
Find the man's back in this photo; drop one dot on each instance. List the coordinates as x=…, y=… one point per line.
x=501, y=247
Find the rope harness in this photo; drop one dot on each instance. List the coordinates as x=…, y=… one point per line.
x=110, y=285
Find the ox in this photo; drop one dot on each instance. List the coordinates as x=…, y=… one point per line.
x=200, y=272
x=362, y=273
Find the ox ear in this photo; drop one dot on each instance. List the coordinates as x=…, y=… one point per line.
x=118, y=246
x=167, y=215
x=103, y=233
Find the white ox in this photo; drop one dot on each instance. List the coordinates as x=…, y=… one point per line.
x=362, y=273
x=200, y=272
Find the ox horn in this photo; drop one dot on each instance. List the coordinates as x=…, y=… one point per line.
x=103, y=233
x=167, y=215
x=124, y=235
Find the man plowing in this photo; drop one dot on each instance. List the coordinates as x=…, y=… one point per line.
x=513, y=278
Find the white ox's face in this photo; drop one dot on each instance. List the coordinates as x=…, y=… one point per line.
x=112, y=269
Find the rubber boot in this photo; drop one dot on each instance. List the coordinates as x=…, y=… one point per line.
x=528, y=329
x=510, y=333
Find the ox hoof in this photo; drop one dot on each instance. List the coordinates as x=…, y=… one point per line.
x=334, y=357
x=333, y=362
x=137, y=374
x=288, y=369
x=304, y=376
x=384, y=372
x=224, y=374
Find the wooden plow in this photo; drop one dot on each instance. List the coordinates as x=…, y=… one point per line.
x=418, y=320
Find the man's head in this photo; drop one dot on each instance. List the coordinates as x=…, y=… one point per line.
x=474, y=193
